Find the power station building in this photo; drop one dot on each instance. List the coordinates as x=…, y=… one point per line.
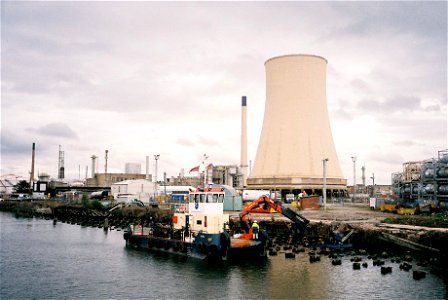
x=296, y=142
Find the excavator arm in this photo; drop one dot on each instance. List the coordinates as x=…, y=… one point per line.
x=263, y=205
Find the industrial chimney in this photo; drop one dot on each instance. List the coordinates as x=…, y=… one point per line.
x=61, y=168
x=147, y=168
x=243, y=141
x=32, y=164
x=93, y=157
x=296, y=134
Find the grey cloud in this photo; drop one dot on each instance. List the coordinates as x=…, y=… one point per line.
x=428, y=19
x=397, y=103
x=416, y=129
x=11, y=145
x=404, y=103
x=433, y=108
x=389, y=156
x=56, y=130
x=185, y=142
x=131, y=58
x=360, y=85
x=407, y=143
x=341, y=114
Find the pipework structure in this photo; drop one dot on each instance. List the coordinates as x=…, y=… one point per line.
x=296, y=130
x=424, y=181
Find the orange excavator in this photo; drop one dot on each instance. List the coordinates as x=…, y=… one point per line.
x=264, y=204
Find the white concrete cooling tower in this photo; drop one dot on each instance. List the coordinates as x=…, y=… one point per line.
x=296, y=134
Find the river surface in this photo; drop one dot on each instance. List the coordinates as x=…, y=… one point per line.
x=39, y=260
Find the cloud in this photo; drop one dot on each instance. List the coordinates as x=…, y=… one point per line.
x=56, y=130
x=11, y=146
x=141, y=78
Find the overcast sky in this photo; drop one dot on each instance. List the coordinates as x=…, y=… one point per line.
x=145, y=78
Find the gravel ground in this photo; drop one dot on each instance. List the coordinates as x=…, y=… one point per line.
x=343, y=213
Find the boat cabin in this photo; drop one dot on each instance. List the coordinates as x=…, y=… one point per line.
x=205, y=211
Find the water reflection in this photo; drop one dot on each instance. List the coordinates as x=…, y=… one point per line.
x=43, y=261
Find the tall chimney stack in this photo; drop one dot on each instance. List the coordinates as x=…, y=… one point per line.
x=61, y=168
x=93, y=157
x=243, y=141
x=32, y=165
x=105, y=164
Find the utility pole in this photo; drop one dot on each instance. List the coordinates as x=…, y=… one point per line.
x=156, y=158
x=105, y=167
x=32, y=168
x=205, y=170
x=324, y=192
x=164, y=182
x=354, y=177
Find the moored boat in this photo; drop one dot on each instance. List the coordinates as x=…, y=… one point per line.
x=198, y=232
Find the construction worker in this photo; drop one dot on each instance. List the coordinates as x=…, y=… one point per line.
x=227, y=228
x=255, y=229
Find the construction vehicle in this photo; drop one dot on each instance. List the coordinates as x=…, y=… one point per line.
x=265, y=204
x=337, y=241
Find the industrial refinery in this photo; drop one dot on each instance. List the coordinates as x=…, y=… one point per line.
x=296, y=154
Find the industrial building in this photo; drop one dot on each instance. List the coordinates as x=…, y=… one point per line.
x=107, y=179
x=128, y=190
x=296, y=151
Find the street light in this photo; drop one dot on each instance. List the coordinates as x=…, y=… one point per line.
x=205, y=170
x=324, y=161
x=354, y=177
x=156, y=158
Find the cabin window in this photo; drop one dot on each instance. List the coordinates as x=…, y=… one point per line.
x=198, y=222
x=210, y=198
x=220, y=198
x=203, y=198
x=194, y=198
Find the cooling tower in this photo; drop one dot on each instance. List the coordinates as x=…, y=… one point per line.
x=296, y=134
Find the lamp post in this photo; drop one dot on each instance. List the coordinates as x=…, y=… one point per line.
x=324, y=192
x=354, y=177
x=164, y=184
x=205, y=169
x=156, y=158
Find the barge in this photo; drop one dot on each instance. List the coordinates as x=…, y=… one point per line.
x=198, y=230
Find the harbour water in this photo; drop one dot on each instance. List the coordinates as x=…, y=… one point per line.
x=39, y=260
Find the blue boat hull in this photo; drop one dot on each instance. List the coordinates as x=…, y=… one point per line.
x=205, y=246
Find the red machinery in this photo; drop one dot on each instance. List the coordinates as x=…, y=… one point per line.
x=263, y=205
